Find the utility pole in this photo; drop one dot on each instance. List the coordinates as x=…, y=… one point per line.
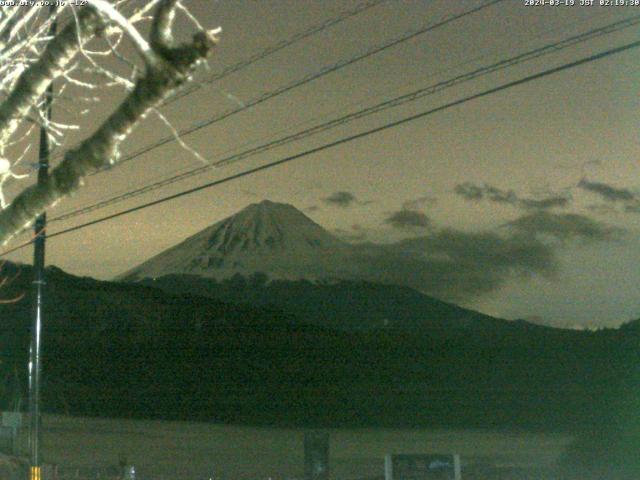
x=35, y=352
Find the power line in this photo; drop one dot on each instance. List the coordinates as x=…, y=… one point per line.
x=394, y=102
x=284, y=89
x=300, y=82
x=275, y=48
x=356, y=136
x=125, y=193
x=199, y=125
x=344, y=15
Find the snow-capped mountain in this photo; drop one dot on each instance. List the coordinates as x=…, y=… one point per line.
x=268, y=237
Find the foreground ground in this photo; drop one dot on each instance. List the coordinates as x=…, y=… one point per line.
x=196, y=451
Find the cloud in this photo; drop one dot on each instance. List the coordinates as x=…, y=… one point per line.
x=500, y=196
x=408, y=219
x=629, y=200
x=472, y=192
x=562, y=226
x=312, y=208
x=608, y=192
x=469, y=191
x=460, y=266
x=455, y=265
x=488, y=250
x=340, y=199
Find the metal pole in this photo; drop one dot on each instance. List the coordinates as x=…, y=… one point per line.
x=35, y=352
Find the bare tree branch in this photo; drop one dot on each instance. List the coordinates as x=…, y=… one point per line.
x=172, y=66
x=127, y=27
x=34, y=81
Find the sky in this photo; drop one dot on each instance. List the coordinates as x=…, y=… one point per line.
x=528, y=197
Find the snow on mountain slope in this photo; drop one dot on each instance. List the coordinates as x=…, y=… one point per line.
x=273, y=238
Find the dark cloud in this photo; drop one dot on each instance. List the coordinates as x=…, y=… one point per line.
x=455, y=265
x=458, y=266
x=312, y=208
x=461, y=266
x=340, y=199
x=562, y=226
x=487, y=250
x=473, y=192
x=613, y=195
x=609, y=193
x=500, y=196
x=469, y=191
x=408, y=219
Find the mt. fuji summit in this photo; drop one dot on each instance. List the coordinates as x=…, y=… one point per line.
x=267, y=237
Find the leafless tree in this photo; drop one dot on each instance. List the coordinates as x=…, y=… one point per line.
x=96, y=46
